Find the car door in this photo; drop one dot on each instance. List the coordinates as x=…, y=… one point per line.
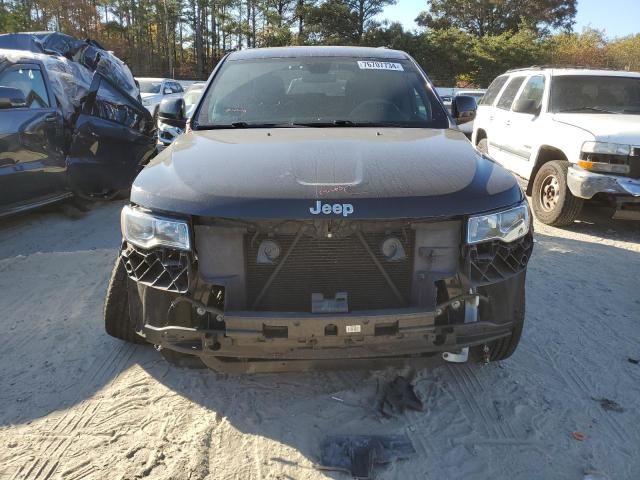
x=32, y=163
x=498, y=138
x=113, y=138
x=523, y=124
x=485, y=115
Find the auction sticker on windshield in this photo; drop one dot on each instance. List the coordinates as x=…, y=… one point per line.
x=371, y=65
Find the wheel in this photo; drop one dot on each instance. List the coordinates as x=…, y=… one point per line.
x=552, y=201
x=483, y=146
x=117, y=321
x=503, y=348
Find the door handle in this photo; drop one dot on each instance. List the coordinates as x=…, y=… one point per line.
x=507, y=122
x=490, y=118
x=50, y=118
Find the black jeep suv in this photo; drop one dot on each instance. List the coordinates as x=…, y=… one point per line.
x=322, y=206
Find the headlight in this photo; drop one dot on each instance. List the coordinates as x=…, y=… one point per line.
x=507, y=226
x=605, y=157
x=606, y=148
x=146, y=230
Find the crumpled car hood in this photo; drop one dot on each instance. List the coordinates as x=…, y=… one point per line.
x=285, y=172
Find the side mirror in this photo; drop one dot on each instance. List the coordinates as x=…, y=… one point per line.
x=172, y=112
x=12, y=98
x=526, y=105
x=463, y=108
x=167, y=91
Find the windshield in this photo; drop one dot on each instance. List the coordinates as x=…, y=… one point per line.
x=595, y=94
x=319, y=91
x=147, y=86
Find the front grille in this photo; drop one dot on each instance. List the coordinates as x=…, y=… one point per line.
x=494, y=261
x=162, y=268
x=328, y=266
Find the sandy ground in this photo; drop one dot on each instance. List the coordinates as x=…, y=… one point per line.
x=77, y=404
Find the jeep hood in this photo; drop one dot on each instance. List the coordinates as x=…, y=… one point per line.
x=615, y=128
x=284, y=172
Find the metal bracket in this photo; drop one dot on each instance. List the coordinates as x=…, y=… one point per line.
x=460, y=357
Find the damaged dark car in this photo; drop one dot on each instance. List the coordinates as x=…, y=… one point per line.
x=322, y=208
x=71, y=122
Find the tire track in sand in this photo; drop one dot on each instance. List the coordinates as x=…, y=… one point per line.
x=467, y=395
x=67, y=426
x=576, y=383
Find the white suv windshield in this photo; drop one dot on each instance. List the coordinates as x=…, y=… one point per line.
x=319, y=91
x=595, y=94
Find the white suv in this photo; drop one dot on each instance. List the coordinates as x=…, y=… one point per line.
x=572, y=133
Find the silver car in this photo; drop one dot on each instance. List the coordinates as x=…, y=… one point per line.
x=153, y=90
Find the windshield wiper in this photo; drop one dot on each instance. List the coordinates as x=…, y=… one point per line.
x=333, y=123
x=223, y=126
x=350, y=123
x=582, y=109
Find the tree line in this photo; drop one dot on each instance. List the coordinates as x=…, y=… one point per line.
x=458, y=42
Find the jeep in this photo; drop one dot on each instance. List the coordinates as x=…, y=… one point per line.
x=321, y=209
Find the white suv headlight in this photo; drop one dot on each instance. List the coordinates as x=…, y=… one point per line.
x=507, y=226
x=605, y=157
x=147, y=231
x=606, y=148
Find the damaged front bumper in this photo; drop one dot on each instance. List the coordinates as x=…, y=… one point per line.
x=316, y=340
x=442, y=299
x=586, y=184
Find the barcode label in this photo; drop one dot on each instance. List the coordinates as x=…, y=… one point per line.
x=371, y=65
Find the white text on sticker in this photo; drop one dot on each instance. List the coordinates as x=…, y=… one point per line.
x=372, y=65
x=353, y=328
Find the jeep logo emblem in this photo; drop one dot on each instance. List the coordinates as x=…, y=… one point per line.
x=344, y=209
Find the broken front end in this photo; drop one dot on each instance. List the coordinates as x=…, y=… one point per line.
x=277, y=292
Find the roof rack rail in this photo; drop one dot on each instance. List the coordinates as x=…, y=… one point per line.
x=559, y=65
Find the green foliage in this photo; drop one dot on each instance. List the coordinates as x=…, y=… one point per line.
x=446, y=54
x=494, y=17
x=624, y=53
x=332, y=23
x=14, y=17
x=468, y=42
x=495, y=54
x=586, y=48
x=346, y=22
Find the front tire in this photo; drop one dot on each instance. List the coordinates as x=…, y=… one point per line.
x=503, y=348
x=483, y=146
x=117, y=321
x=552, y=201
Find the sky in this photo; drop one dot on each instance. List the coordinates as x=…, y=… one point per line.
x=617, y=17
